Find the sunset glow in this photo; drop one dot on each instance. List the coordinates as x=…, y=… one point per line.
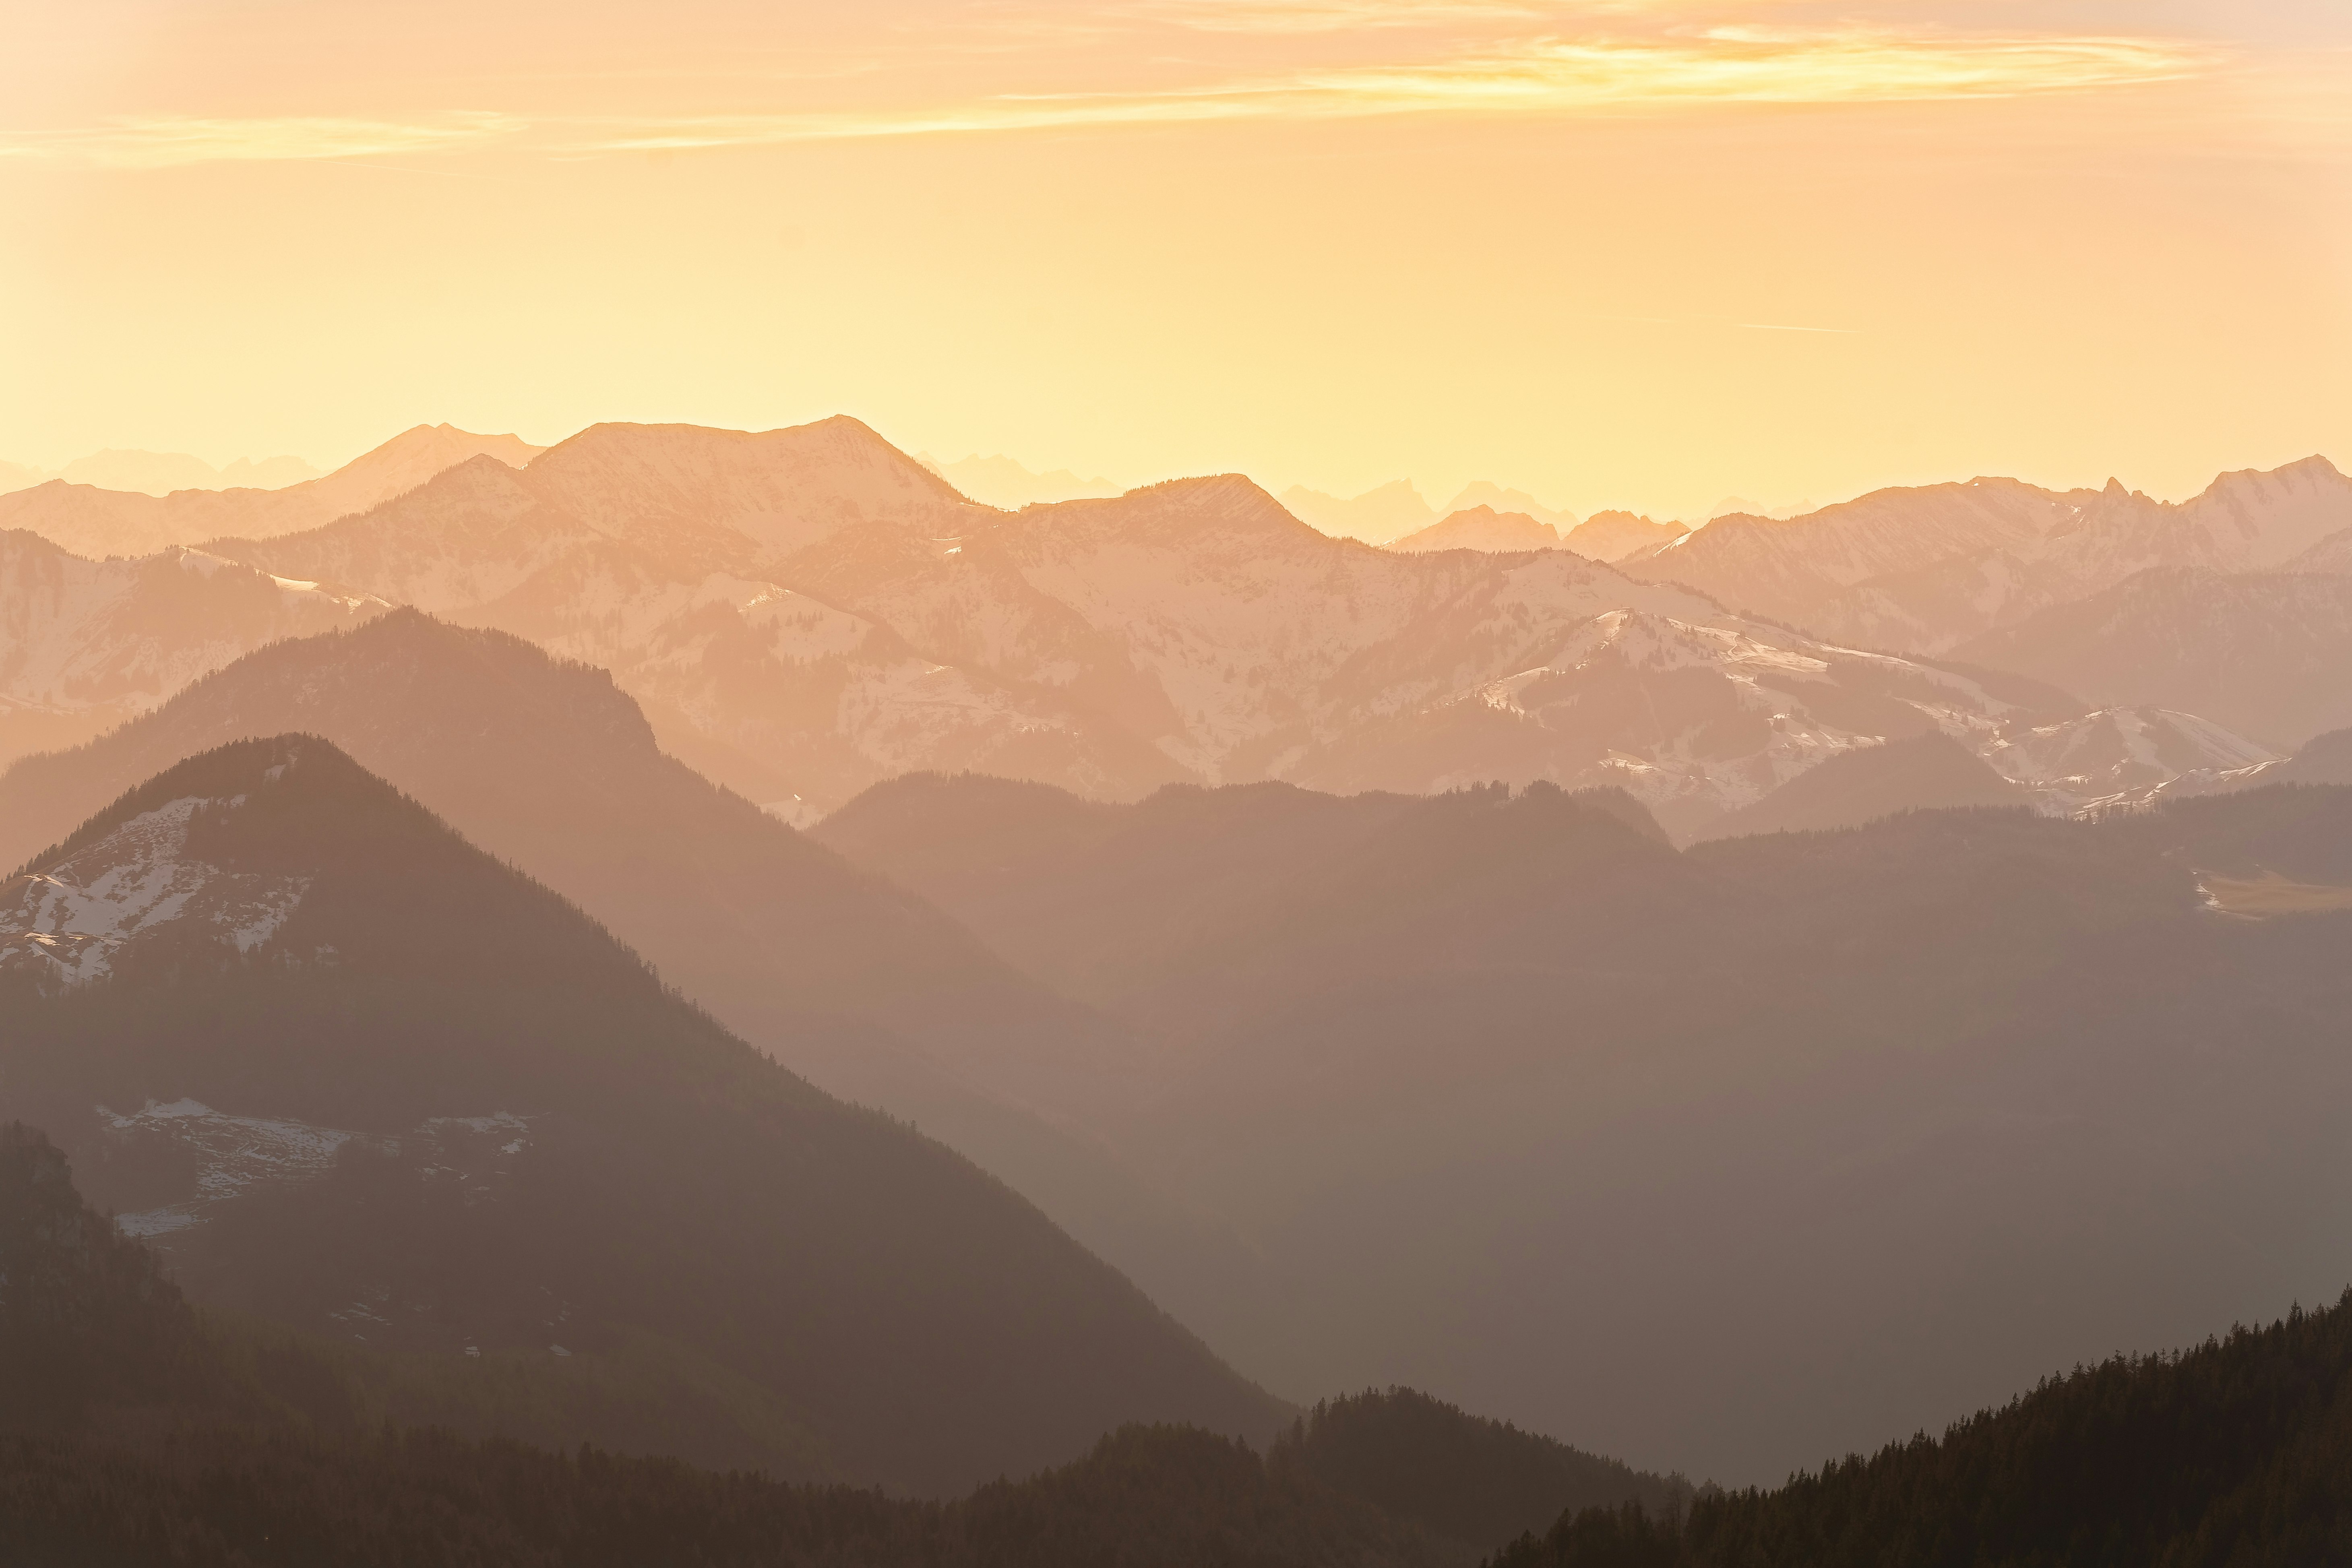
x=1626, y=253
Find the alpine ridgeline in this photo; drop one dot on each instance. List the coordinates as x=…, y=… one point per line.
x=802, y=612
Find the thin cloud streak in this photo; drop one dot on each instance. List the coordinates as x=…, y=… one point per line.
x=1536, y=79
x=1546, y=78
x=1331, y=16
x=164, y=141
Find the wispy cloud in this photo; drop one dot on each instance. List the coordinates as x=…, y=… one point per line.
x=161, y=141
x=1543, y=76
x=1334, y=15
x=1540, y=76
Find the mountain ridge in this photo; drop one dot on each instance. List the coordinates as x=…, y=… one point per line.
x=614, y=1163
x=97, y=523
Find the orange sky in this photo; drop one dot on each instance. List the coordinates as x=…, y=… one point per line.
x=1564, y=245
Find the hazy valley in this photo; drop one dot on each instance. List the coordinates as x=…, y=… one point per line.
x=718, y=945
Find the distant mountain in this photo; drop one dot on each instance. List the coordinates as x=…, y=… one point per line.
x=1782, y=1145
x=802, y=612
x=1740, y=506
x=160, y=473
x=1084, y=873
x=85, y=645
x=2331, y=557
x=2225, y=1452
x=1389, y=511
x=1696, y=717
x=1614, y=535
x=1924, y=570
x=1480, y=528
x=99, y=522
x=1487, y=493
x=1000, y=482
x=850, y=981
x=735, y=501
x=792, y=701
x=2268, y=654
x=2125, y=757
x=1191, y=630
x=357, y=1077
x=1923, y=772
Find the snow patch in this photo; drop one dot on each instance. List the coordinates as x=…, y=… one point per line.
x=76, y=918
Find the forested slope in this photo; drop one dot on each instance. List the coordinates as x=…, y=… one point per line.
x=2237, y=1454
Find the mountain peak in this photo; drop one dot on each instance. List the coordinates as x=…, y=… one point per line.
x=1482, y=528
x=738, y=498
x=1380, y=514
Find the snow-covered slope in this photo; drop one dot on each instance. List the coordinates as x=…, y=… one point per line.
x=138, y=886
x=2266, y=653
x=1615, y=535
x=1694, y=719
x=1262, y=633
x=86, y=644
x=777, y=692
x=2331, y=557
x=2123, y=757
x=102, y=522
x=1927, y=569
x=804, y=612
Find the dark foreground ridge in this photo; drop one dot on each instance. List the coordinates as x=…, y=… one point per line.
x=146, y=1433
x=143, y=1432
x=2237, y=1454
x=361, y=1080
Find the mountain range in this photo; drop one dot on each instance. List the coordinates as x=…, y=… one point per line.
x=85, y=645
x=356, y=1077
x=90, y=520
x=2192, y=605
x=1727, y=1004
x=160, y=473
x=805, y=613
x=1734, y=1154
x=1480, y=528
x=1000, y=482
x=1187, y=631
x=139, y=1430
x=851, y=982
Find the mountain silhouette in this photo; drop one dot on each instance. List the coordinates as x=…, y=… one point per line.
x=846, y=979
x=361, y=1078
x=1795, y=1140
x=96, y=523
